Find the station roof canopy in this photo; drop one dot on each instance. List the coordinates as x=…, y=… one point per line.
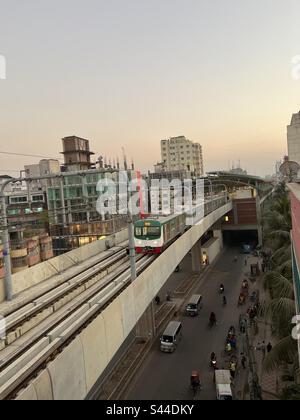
x=233, y=179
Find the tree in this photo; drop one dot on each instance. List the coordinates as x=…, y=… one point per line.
x=291, y=393
x=281, y=309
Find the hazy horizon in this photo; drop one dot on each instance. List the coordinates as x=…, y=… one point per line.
x=131, y=73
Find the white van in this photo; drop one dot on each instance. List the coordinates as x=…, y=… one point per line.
x=223, y=385
x=194, y=305
x=171, y=337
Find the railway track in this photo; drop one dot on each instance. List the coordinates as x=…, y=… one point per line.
x=27, y=317
x=33, y=351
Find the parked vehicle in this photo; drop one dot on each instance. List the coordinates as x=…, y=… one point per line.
x=194, y=305
x=247, y=249
x=171, y=337
x=223, y=385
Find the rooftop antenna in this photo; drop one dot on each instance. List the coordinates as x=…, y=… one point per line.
x=101, y=162
x=125, y=159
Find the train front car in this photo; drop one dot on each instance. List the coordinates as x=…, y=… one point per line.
x=148, y=237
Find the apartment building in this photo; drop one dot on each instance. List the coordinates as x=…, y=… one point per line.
x=181, y=154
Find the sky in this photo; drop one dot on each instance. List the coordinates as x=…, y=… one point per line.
x=128, y=73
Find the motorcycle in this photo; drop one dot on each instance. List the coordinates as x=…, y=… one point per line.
x=214, y=364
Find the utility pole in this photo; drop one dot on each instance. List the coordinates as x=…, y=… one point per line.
x=131, y=247
x=6, y=250
x=131, y=235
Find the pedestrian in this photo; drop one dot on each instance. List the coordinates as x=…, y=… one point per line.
x=246, y=261
x=232, y=369
x=168, y=296
x=269, y=347
x=233, y=342
x=243, y=361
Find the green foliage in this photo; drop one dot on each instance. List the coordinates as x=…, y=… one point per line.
x=277, y=224
x=291, y=393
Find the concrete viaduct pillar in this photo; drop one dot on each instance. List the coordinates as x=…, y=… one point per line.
x=196, y=257
x=219, y=234
x=146, y=327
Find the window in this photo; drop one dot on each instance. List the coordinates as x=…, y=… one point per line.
x=16, y=200
x=38, y=198
x=14, y=212
x=147, y=231
x=153, y=231
x=138, y=231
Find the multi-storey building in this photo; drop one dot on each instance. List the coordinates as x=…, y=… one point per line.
x=293, y=138
x=181, y=154
x=44, y=167
x=77, y=154
x=295, y=204
x=28, y=229
x=72, y=205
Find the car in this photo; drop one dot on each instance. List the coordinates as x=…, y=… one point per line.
x=246, y=249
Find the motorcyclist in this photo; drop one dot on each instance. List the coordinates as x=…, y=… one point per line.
x=213, y=360
x=195, y=380
x=228, y=347
x=222, y=288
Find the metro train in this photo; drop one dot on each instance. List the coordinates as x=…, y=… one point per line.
x=154, y=235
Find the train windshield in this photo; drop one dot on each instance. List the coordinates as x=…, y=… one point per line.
x=147, y=231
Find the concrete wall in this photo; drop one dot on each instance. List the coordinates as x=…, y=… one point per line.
x=44, y=271
x=2, y=290
x=74, y=372
x=212, y=249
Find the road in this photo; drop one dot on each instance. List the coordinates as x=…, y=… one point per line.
x=166, y=376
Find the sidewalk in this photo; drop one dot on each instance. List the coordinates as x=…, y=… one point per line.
x=259, y=339
x=269, y=382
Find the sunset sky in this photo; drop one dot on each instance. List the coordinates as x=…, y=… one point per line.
x=132, y=72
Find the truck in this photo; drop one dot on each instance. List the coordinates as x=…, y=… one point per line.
x=223, y=385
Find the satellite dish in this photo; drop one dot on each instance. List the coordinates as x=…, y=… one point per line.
x=290, y=170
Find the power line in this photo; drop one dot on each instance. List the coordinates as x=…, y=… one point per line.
x=28, y=155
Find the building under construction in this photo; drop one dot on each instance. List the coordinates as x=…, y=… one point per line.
x=72, y=199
